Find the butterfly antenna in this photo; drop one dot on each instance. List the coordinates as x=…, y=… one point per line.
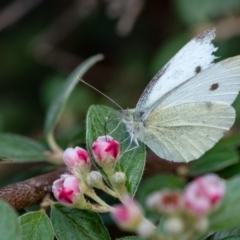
x=81, y=80
x=115, y=127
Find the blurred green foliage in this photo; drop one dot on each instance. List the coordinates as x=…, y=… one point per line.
x=40, y=49
x=30, y=75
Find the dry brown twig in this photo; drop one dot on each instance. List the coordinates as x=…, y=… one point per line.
x=31, y=191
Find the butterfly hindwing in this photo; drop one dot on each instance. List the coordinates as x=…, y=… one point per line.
x=185, y=132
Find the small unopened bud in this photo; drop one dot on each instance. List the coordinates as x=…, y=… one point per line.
x=201, y=224
x=166, y=201
x=75, y=156
x=145, y=229
x=106, y=149
x=127, y=216
x=106, y=152
x=204, y=194
x=174, y=225
x=94, y=179
x=118, y=182
x=66, y=189
x=153, y=200
x=119, y=178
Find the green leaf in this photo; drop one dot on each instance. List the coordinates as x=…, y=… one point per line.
x=233, y=234
x=227, y=216
x=103, y=120
x=224, y=154
x=9, y=225
x=36, y=225
x=202, y=11
x=58, y=104
x=20, y=149
x=71, y=223
x=130, y=238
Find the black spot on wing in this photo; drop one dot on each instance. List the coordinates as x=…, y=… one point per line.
x=198, y=69
x=214, y=86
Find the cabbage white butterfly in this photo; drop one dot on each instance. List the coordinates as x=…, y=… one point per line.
x=186, y=107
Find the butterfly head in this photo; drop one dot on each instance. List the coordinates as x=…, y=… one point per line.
x=133, y=122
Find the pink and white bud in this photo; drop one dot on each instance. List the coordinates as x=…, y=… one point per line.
x=66, y=189
x=166, y=201
x=203, y=194
x=213, y=187
x=145, y=229
x=106, y=149
x=94, y=179
x=174, y=225
x=75, y=156
x=119, y=178
x=127, y=216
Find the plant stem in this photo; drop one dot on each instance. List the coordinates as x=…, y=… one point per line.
x=91, y=193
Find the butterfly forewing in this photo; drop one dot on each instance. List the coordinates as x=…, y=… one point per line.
x=193, y=58
x=218, y=83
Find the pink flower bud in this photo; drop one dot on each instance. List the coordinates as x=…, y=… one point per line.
x=213, y=187
x=74, y=156
x=166, y=201
x=106, y=149
x=203, y=194
x=66, y=188
x=127, y=216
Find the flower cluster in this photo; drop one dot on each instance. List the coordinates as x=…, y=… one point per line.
x=70, y=188
x=189, y=208
x=185, y=211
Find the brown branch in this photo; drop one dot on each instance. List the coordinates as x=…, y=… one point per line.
x=31, y=191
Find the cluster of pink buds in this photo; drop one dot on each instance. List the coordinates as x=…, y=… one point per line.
x=106, y=152
x=196, y=201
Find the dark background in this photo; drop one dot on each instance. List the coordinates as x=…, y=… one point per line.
x=41, y=42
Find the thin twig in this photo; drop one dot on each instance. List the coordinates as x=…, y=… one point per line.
x=31, y=191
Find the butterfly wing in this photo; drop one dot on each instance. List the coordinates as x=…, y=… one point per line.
x=195, y=56
x=218, y=83
x=184, y=132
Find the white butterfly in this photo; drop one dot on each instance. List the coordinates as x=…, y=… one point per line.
x=186, y=108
